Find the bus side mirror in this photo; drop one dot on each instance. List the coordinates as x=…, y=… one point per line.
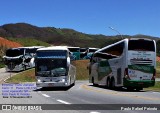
x=72, y=57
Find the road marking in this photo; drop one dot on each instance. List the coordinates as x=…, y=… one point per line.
x=94, y=112
x=5, y=79
x=39, y=91
x=156, y=92
x=64, y=102
x=118, y=93
x=45, y=95
x=1, y=80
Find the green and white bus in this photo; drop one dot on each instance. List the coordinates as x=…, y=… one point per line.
x=54, y=67
x=129, y=63
x=75, y=52
x=90, y=51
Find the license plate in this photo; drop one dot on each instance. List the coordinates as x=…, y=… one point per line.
x=140, y=83
x=50, y=84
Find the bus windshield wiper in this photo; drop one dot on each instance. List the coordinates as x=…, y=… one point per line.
x=43, y=73
x=58, y=71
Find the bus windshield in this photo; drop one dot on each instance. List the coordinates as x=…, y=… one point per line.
x=51, y=63
x=141, y=45
x=52, y=54
x=14, y=52
x=50, y=67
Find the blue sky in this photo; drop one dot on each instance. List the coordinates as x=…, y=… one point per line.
x=129, y=17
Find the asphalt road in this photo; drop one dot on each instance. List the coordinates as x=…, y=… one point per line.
x=84, y=98
x=4, y=75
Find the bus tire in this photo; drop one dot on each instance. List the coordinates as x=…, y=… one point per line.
x=93, y=82
x=139, y=88
x=108, y=83
x=73, y=83
x=112, y=83
x=24, y=67
x=130, y=88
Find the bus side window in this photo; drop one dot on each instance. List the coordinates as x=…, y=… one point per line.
x=116, y=50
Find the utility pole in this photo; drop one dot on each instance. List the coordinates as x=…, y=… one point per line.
x=117, y=32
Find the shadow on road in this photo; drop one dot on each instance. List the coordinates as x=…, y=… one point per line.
x=120, y=89
x=54, y=88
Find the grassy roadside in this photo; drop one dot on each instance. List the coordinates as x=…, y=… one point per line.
x=1, y=62
x=154, y=88
x=2, y=65
x=81, y=70
x=158, y=70
x=26, y=76
x=29, y=75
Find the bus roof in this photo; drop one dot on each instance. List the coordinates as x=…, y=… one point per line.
x=141, y=39
x=31, y=47
x=73, y=47
x=93, y=48
x=16, y=48
x=124, y=40
x=54, y=48
x=110, y=45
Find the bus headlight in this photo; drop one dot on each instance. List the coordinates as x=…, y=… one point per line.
x=63, y=80
x=38, y=80
x=127, y=77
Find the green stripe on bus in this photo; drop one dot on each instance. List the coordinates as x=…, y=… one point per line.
x=104, y=69
x=138, y=83
x=143, y=68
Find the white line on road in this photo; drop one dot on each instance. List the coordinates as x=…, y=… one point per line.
x=1, y=79
x=64, y=102
x=6, y=79
x=94, y=112
x=156, y=92
x=45, y=95
x=39, y=91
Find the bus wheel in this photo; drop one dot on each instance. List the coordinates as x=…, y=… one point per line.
x=93, y=82
x=74, y=83
x=130, y=88
x=24, y=67
x=138, y=89
x=112, y=84
x=108, y=83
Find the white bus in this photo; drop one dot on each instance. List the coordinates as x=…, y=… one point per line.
x=21, y=58
x=90, y=51
x=54, y=67
x=129, y=63
x=75, y=52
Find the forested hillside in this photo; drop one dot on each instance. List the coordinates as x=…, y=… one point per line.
x=21, y=32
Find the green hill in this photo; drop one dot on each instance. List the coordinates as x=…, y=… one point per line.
x=22, y=32
x=29, y=41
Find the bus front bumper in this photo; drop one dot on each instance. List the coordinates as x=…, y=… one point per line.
x=16, y=68
x=52, y=84
x=138, y=83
